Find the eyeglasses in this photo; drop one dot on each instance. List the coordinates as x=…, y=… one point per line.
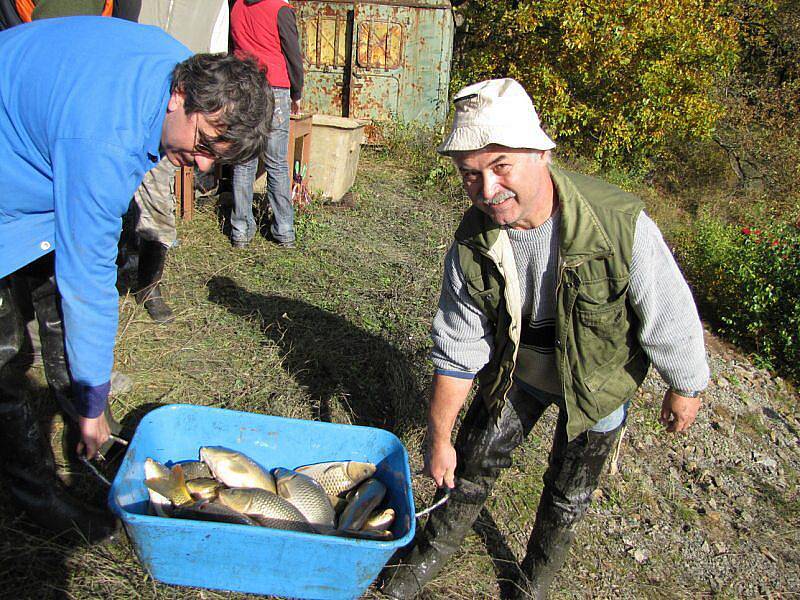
x=201, y=147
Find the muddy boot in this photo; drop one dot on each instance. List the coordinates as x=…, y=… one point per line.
x=32, y=481
x=570, y=480
x=483, y=448
x=152, y=256
x=437, y=542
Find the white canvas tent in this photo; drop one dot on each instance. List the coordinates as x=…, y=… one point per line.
x=201, y=25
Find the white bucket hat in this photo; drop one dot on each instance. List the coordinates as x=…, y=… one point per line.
x=497, y=111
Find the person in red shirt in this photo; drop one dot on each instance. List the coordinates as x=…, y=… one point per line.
x=267, y=30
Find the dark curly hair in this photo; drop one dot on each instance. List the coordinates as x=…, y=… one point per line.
x=234, y=96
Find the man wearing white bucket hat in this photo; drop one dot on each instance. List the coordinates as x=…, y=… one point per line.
x=558, y=290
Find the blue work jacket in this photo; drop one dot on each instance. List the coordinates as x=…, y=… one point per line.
x=82, y=104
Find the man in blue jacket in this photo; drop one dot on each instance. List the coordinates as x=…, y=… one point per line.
x=87, y=106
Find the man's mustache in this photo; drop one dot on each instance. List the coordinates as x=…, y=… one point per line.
x=497, y=198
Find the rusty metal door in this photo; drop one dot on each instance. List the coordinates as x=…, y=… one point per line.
x=379, y=34
x=326, y=32
x=377, y=59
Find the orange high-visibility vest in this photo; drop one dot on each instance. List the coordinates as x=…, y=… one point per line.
x=25, y=9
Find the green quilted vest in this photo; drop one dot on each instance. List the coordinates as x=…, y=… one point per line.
x=599, y=360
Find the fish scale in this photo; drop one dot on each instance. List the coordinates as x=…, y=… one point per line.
x=267, y=508
x=338, y=477
x=194, y=469
x=306, y=495
x=234, y=469
x=203, y=510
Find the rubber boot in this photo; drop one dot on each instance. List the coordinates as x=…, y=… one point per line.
x=25, y=456
x=570, y=480
x=11, y=327
x=46, y=304
x=152, y=256
x=32, y=481
x=484, y=448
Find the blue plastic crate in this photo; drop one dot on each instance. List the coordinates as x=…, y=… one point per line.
x=257, y=559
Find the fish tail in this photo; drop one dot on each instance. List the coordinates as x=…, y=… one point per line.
x=172, y=487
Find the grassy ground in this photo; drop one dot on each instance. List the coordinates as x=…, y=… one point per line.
x=337, y=330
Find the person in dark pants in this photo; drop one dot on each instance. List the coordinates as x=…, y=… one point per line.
x=558, y=291
x=69, y=172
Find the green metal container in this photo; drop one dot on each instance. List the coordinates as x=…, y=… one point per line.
x=375, y=60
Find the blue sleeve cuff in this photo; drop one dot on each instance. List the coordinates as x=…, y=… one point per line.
x=90, y=400
x=456, y=374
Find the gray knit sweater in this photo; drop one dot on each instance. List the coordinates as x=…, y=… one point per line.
x=670, y=330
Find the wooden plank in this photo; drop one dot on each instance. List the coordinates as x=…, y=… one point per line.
x=184, y=192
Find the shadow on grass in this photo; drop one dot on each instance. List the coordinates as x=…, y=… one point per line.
x=506, y=568
x=331, y=357
x=33, y=564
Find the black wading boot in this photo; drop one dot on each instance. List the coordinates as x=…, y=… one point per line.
x=45, y=299
x=152, y=256
x=570, y=480
x=32, y=481
x=26, y=459
x=484, y=448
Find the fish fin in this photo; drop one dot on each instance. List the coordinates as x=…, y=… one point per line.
x=177, y=474
x=174, y=487
x=160, y=485
x=153, y=468
x=281, y=489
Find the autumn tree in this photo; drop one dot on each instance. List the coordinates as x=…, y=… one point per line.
x=611, y=78
x=762, y=101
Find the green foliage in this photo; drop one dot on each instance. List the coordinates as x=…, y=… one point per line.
x=749, y=280
x=613, y=79
x=754, y=153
